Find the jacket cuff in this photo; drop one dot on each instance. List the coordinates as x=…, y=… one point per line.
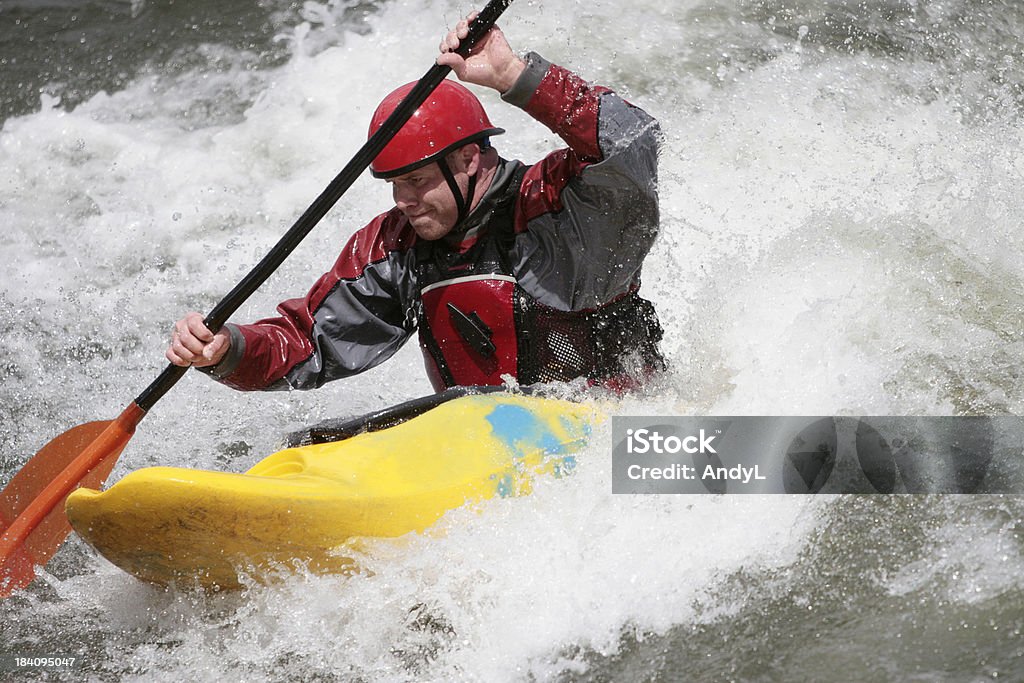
x=229, y=363
x=528, y=82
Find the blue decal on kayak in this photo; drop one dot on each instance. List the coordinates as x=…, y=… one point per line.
x=522, y=431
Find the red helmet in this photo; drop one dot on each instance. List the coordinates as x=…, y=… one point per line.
x=450, y=117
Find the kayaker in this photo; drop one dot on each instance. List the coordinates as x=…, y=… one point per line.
x=505, y=270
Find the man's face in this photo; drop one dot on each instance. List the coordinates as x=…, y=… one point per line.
x=425, y=198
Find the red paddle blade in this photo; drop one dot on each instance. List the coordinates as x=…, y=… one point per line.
x=32, y=518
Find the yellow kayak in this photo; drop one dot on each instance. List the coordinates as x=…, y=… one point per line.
x=305, y=505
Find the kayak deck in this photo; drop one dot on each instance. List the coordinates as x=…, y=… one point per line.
x=305, y=505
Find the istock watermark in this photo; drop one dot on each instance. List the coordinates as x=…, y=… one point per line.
x=642, y=441
x=969, y=454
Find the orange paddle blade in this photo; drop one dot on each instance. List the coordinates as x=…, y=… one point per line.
x=32, y=518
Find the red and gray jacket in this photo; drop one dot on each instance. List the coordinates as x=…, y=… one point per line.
x=538, y=283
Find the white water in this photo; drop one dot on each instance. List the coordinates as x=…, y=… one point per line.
x=840, y=236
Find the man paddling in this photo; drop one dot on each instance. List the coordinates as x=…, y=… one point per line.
x=505, y=270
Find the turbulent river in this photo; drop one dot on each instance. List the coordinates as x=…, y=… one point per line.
x=841, y=235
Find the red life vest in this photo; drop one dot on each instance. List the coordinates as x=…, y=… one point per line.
x=477, y=324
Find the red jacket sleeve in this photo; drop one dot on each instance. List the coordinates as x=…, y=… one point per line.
x=354, y=317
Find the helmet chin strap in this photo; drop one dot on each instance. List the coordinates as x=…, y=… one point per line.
x=462, y=203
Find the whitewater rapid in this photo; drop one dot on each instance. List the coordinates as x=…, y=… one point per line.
x=840, y=236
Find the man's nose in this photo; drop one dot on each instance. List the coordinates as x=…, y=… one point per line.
x=404, y=198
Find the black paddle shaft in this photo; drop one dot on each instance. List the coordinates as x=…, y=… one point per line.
x=328, y=198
